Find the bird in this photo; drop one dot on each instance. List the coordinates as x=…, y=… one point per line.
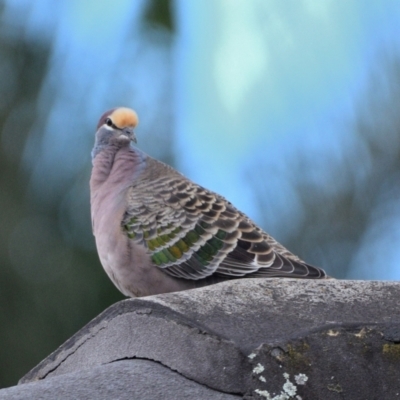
x=157, y=232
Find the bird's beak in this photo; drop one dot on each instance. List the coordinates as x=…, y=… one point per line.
x=128, y=133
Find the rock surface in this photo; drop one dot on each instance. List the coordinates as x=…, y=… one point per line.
x=128, y=379
x=249, y=338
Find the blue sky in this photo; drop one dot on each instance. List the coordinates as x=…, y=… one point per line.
x=251, y=76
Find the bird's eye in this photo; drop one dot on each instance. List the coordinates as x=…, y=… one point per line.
x=108, y=122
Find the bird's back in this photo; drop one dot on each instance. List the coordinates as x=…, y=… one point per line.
x=192, y=233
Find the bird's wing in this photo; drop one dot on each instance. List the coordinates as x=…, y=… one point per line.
x=192, y=233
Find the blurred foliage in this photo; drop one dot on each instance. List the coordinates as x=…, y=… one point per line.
x=344, y=224
x=49, y=286
x=159, y=12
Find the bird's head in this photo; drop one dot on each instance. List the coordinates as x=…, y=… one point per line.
x=115, y=126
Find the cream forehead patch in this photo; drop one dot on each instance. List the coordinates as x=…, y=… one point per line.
x=123, y=117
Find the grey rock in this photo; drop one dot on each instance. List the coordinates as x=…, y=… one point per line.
x=133, y=379
x=251, y=337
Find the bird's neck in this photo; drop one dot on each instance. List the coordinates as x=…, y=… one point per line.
x=116, y=166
